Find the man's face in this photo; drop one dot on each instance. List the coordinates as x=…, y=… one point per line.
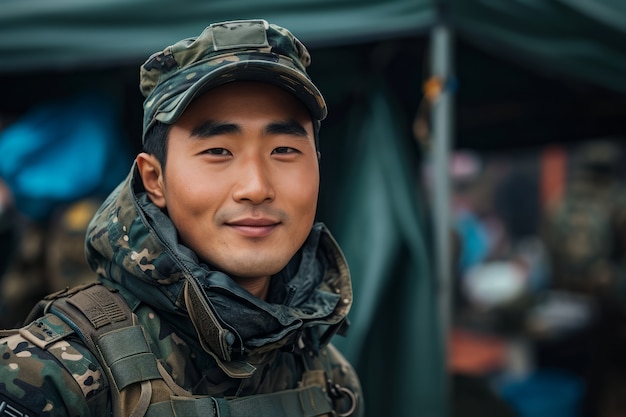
x=241, y=179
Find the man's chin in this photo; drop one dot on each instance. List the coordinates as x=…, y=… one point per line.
x=259, y=266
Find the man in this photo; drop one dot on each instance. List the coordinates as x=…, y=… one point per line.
x=230, y=289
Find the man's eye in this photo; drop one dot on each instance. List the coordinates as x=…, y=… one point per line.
x=284, y=149
x=217, y=151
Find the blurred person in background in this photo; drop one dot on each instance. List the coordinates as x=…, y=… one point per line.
x=60, y=157
x=586, y=232
x=585, y=238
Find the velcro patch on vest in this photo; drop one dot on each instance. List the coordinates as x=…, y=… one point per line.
x=10, y=408
x=45, y=331
x=98, y=305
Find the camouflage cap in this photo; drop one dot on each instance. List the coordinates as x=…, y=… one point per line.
x=228, y=51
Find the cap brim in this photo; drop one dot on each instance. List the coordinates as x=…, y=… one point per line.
x=170, y=109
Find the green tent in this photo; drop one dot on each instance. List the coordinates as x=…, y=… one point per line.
x=370, y=58
x=575, y=37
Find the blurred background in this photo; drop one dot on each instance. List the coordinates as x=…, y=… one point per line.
x=472, y=165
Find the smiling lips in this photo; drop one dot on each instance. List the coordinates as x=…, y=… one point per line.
x=254, y=227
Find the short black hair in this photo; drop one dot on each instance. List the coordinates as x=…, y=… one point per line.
x=155, y=142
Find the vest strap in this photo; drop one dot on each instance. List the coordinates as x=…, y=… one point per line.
x=302, y=402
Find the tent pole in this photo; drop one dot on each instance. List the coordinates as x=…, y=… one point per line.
x=442, y=127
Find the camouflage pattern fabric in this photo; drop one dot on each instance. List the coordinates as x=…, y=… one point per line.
x=133, y=246
x=63, y=379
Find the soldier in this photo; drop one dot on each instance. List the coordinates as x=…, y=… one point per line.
x=217, y=291
x=585, y=233
x=585, y=236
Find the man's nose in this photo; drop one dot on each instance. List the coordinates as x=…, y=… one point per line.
x=254, y=183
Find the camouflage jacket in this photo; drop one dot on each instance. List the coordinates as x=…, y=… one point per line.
x=133, y=247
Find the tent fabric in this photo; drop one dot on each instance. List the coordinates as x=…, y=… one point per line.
x=36, y=34
x=394, y=340
x=575, y=38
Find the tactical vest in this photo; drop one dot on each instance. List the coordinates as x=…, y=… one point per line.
x=140, y=385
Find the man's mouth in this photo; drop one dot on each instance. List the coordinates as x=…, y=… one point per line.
x=254, y=227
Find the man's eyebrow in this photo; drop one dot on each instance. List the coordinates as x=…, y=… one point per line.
x=210, y=128
x=288, y=127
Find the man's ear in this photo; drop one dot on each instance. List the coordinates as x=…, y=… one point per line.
x=152, y=177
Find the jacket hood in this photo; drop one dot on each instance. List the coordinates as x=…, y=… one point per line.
x=133, y=245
